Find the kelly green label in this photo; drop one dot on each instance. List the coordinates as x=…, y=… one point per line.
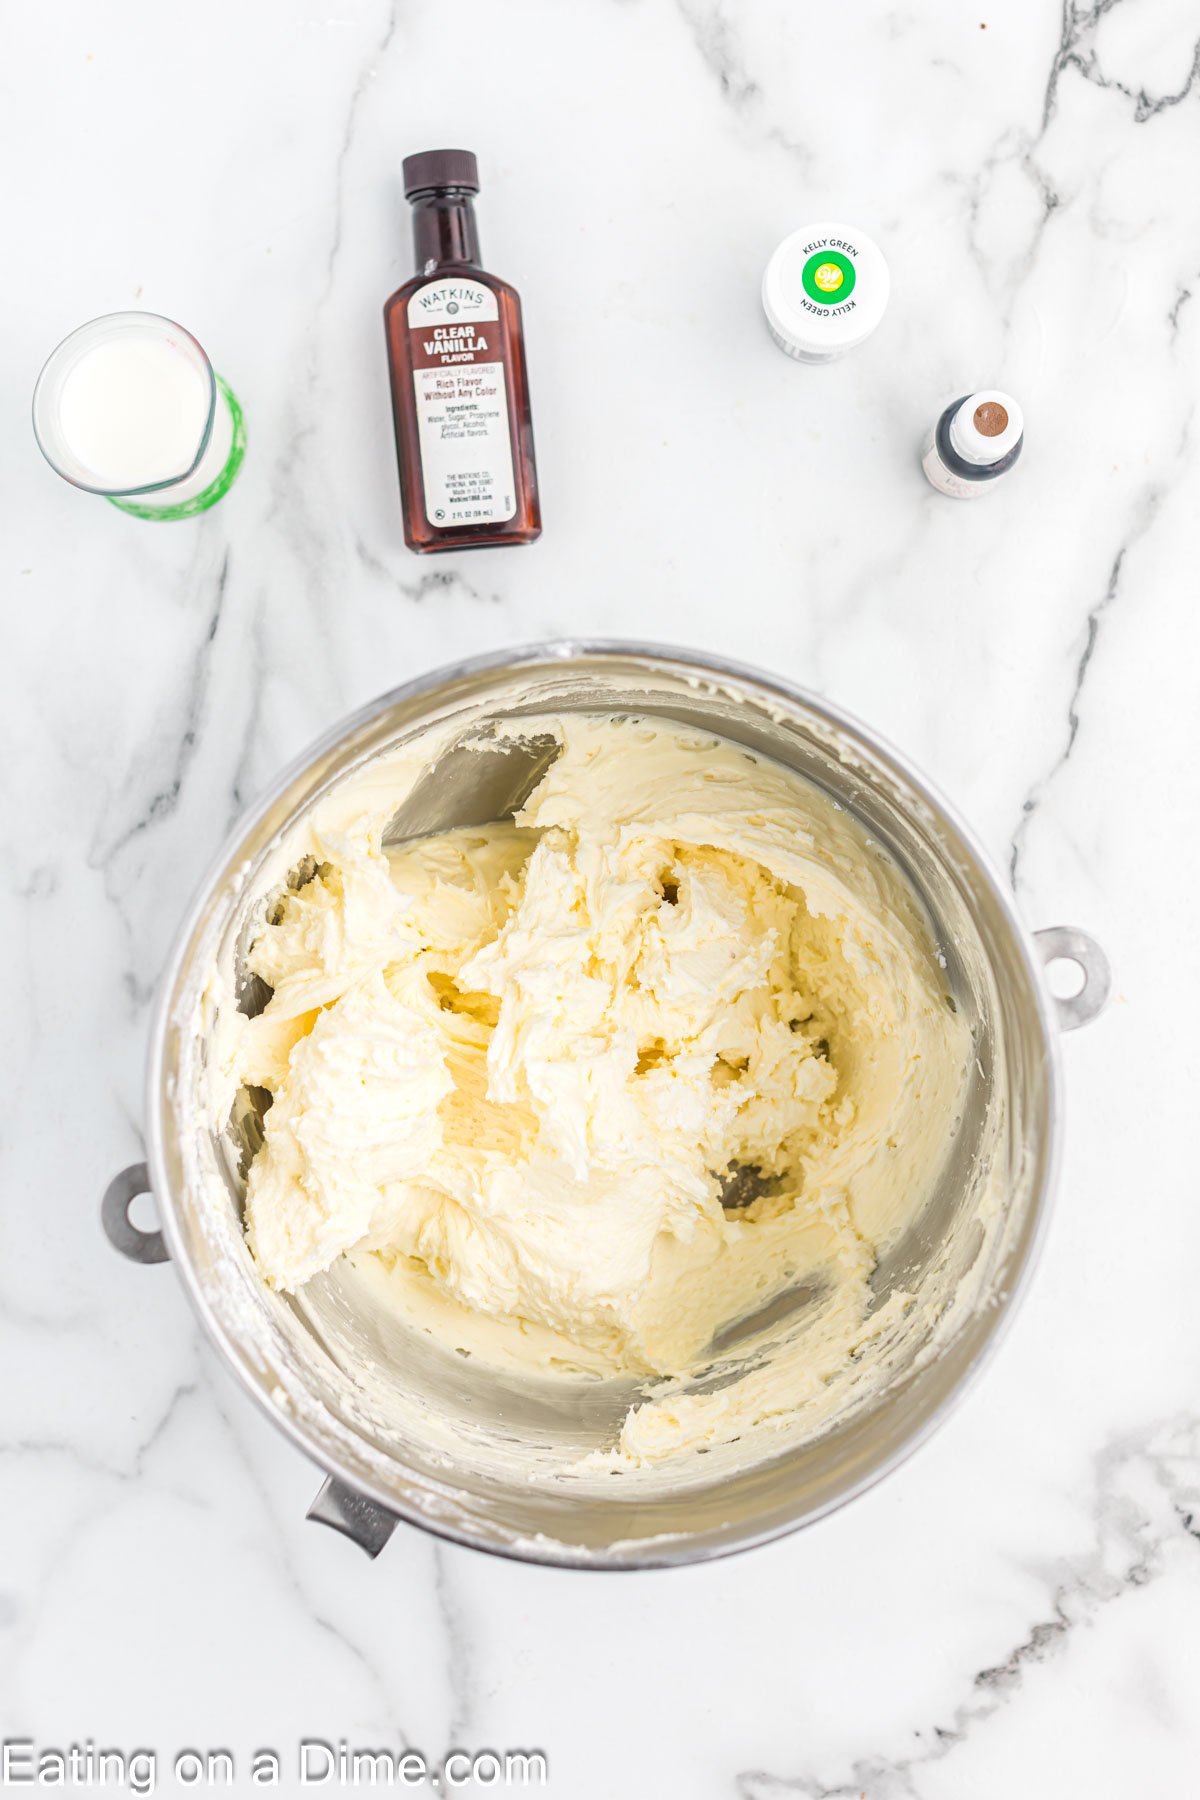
x=828, y=277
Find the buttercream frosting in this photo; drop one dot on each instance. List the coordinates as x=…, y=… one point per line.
x=611, y=1083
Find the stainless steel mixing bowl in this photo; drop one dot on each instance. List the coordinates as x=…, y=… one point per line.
x=347, y=1390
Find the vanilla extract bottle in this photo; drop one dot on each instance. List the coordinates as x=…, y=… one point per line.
x=460, y=392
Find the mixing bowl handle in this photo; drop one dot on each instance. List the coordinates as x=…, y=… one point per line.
x=1064, y=943
x=138, y=1245
x=351, y=1513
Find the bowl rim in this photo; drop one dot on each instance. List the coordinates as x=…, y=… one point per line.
x=669, y=1551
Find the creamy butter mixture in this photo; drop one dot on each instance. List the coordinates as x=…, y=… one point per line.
x=611, y=1078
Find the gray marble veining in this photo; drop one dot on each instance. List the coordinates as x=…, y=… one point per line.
x=1016, y=1610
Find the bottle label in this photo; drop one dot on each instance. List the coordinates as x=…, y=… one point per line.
x=944, y=479
x=462, y=403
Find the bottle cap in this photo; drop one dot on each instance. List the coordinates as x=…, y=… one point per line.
x=825, y=291
x=440, y=169
x=986, y=426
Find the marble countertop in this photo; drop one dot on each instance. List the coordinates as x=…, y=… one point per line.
x=1017, y=1610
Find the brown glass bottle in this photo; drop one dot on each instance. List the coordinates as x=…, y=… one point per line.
x=460, y=393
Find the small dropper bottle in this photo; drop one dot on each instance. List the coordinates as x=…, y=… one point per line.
x=975, y=442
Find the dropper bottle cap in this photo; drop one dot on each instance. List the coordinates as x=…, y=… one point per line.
x=986, y=426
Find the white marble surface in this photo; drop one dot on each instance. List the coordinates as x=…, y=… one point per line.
x=1018, y=1609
